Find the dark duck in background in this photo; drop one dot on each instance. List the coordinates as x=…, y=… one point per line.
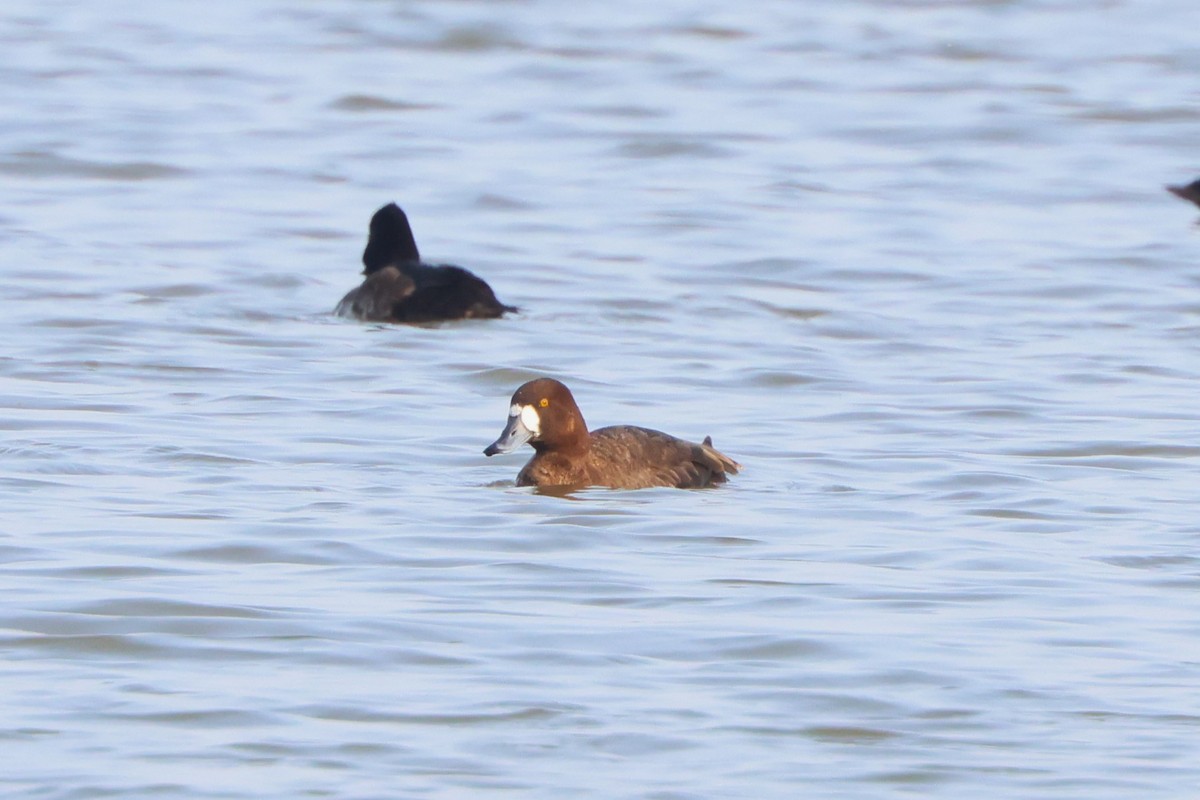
x=399, y=287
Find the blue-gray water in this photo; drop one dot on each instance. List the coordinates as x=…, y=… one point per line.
x=911, y=263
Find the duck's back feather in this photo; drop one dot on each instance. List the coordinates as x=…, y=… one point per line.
x=630, y=457
x=375, y=299
x=446, y=292
x=421, y=293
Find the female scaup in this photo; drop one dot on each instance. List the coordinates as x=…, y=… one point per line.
x=1190, y=192
x=544, y=413
x=399, y=287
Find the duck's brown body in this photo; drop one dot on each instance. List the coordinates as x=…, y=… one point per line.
x=628, y=457
x=544, y=414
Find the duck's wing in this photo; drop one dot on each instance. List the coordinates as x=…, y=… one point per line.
x=444, y=292
x=628, y=457
x=377, y=297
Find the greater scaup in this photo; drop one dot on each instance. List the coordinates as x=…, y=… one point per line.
x=1190, y=192
x=543, y=413
x=399, y=287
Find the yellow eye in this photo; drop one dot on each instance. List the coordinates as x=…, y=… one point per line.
x=544, y=402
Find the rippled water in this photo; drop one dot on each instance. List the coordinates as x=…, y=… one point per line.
x=909, y=262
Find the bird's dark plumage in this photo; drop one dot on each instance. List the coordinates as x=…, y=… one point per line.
x=1189, y=192
x=399, y=287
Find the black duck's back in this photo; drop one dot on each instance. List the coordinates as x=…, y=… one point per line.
x=446, y=292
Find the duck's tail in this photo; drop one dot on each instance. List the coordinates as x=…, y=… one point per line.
x=722, y=462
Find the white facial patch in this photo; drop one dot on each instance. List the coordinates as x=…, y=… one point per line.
x=531, y=420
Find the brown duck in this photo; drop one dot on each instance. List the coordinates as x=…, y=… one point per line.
x=543, y=413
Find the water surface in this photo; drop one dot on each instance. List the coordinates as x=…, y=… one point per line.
x=910, y=263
